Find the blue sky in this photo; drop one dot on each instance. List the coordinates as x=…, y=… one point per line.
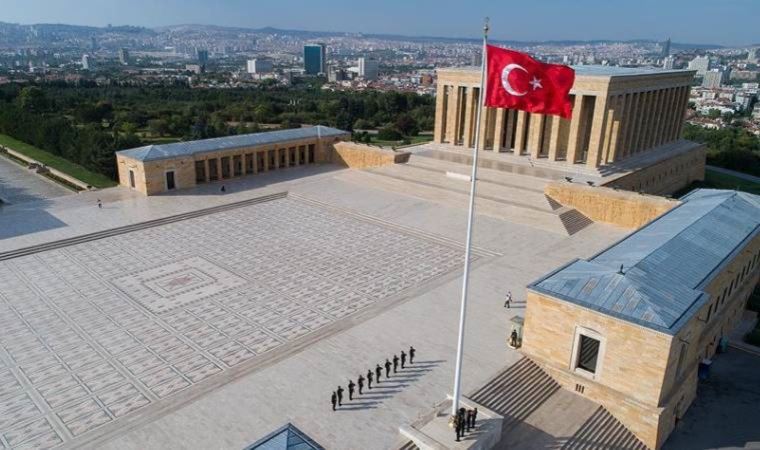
x=727, y=22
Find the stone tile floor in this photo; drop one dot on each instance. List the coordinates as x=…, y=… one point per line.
x=95, y=332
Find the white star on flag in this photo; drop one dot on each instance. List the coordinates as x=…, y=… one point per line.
x=536, y=83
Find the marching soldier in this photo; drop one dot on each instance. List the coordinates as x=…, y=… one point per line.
x=351, y=386
x=360, y=383
x=395, y=363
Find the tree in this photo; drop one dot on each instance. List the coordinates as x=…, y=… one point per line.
x=407, y=125
x=32, y=98
x=158, y=127
x=389, y=134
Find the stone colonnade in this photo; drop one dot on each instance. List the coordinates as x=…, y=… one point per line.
x=239, y=162
x=607, y=125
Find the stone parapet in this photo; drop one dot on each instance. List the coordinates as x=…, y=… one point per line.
x=361, y=156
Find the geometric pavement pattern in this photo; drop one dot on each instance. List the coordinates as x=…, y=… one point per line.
x=96, y=331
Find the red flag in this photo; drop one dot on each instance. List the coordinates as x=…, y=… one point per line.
x=514, y=80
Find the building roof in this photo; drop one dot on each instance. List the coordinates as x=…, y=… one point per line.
x=287, y=437
x=189, y=148
x=596, y=70
x=665, y=265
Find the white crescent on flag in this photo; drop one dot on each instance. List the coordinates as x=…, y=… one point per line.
x=505, y=79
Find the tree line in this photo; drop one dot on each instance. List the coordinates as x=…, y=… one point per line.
x=731, y=147
x=86, y=123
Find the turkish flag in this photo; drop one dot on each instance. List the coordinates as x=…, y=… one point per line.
x=514, y=80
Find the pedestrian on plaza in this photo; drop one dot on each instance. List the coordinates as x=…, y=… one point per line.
x=100, y=204
x=403, y=358
x=360, y=383
x=508, y=300
x=223, y=189
x=340, y=396
x=378, y=373
x=395, y=364
x=387, y=368
x=457, y=427
x=513, y=339
x=412, y=351
x=462, y=420
x=474, y=417
x=351, y=386
x=369, y=379
x=468, y=420
x=334, y=400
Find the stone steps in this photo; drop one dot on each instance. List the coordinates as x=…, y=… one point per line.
x=409, y=446
x=517, y=392
x=135, y=227
x=603, y=431
x=574, y=221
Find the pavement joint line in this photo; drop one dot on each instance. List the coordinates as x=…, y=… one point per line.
x=135, y=227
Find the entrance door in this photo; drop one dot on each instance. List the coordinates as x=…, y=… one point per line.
x=170, y=181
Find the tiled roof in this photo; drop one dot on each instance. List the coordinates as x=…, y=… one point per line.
x=179, y=149
x=665, y=265
x=287, y=437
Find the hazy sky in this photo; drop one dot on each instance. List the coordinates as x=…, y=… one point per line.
x=727, y=22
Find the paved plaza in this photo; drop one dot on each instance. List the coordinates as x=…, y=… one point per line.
x=213, y=331
x=20, y=185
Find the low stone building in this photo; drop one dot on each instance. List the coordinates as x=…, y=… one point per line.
x=159, y=168
x=629, y=327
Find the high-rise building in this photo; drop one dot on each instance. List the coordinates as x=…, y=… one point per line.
x=712, y=79
x=124, y=56
x=701, y=64
x=335, y=74
x=666, y=48
x=314, y=59
x=669, y=62
x=259, y=65
x=86, y=62
x=753, y=55
x=201, y=55
x=369, y=68
x=93, y=43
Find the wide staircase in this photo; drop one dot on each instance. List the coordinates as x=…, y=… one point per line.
x=603, y=431
x=506, y=195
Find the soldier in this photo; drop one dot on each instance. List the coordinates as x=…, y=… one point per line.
x=395, y=363
x=457, y=426
x=351, y=386
x=412, y=351
x=340, y=396
x=378, y=373
x=474, y=417
x=334, y=400
x=100, y=204
x=403, y=358
x=513, y=339
x=369, y=379
x=360, y=383
x=508, y=300
x=387, y=368
x=468, y=420
x=461, y=420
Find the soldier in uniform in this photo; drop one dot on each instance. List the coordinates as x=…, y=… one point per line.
x=340, y=396
x=395, y=363
x=403, y=358
x=387, y=368
x=412, y=351
x=378, y=373
x=360, y=383
x=334, y=400
x=369, y=379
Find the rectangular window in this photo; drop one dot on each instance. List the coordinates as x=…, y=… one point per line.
x=588, y=354
x=132, y=179
x=200, y=171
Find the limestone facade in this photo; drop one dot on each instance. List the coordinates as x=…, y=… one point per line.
x=646, y=378
x=617, y=114
x=185, y=171
x=362, y=156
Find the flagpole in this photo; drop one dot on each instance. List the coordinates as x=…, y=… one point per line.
x=468, y=244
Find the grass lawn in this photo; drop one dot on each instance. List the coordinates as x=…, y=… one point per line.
x=75, y=170
x=719, y=180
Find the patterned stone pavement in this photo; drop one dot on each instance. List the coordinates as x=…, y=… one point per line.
x=107, y=329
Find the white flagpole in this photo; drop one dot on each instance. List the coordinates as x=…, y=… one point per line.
x=468, y=245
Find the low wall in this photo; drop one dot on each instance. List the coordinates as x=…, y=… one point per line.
x=361, y=156
x=55, y=172
x=622, y=208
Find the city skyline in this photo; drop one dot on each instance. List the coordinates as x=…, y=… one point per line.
x=585, y=20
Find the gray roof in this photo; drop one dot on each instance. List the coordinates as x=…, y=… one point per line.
x=666, y=264
x=189, y=148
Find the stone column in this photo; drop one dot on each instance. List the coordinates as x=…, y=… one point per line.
x=596, y=137
x=534, y=134
x=232, y=166
x=631, y=123
x=617, y=131
x=554, y=137
x=575, y=128
x=255, y=156
x=604, y=156
x=670, y=114
x=520, y=130
x=470, y=117
x=205, y=170
x=639, y=126
x=452, y=115
x=440, y=114
x=665, y=111
x=656, y=121
x=498, y=131
x=682, y=110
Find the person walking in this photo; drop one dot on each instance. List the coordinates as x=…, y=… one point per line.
x=351, y=387
x=100, y=204
x=403, y=359
x=387, y=368
x=360, y=383
x=340, y=396
x=412, y=351
x=334, y=400
x=508, y=300
x=378, y=373
x=223, y=189
x=369, y=379
x=395, y=364
x=468, y=420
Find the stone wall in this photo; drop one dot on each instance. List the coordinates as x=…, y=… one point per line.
x=361, y=156
x=667, y=176
x=601, y=204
